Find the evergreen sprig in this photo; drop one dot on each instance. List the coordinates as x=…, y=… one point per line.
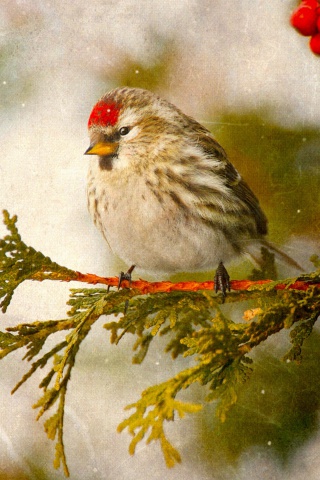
x=195, y=325
x=19, y=262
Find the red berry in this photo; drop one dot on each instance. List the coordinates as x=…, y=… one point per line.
x=318, y=24
x=315, y=44
x=310, y=3
x=304, y=19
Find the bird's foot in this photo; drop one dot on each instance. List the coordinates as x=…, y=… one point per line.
x=125, y=276
x=221, y=280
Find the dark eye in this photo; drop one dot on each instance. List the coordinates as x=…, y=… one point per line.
x=124, y=131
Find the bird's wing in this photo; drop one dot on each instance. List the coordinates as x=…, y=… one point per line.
x=242, y=199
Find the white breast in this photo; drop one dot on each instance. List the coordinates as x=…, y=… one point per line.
x=152, y=232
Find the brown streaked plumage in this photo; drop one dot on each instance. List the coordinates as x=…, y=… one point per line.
x=163, y=192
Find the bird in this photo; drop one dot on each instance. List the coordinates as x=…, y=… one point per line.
x=163, y=191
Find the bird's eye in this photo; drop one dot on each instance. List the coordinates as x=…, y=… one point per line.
x=124, y=131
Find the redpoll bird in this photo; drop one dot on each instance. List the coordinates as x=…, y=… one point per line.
x=163, y=191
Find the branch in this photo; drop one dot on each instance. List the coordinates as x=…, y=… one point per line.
x=20, y=262
x=165, y=286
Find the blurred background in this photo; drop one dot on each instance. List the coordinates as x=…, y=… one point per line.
x=241, y=70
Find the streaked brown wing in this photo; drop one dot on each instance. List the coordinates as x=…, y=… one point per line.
x=233, y=179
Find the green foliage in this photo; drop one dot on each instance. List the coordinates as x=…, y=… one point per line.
x=157, y=405
x=276, y=413
x=195, y=324
x=163, y=313
x=282, y=164
x=18, y=263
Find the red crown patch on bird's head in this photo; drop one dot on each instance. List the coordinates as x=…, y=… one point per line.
x=104, y=114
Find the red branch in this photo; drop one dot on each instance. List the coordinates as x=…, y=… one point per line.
x=156, y=287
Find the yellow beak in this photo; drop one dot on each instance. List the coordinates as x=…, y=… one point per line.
x=102, y=149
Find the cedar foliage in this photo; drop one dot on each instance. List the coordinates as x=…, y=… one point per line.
x=193, y=321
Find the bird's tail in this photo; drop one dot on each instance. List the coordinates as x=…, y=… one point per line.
x=254, y=251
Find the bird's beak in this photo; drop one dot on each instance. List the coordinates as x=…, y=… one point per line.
x=102, y=149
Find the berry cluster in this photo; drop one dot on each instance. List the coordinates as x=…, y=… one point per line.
x=306, y=19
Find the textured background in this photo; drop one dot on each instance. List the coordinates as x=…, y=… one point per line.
x=236, y=66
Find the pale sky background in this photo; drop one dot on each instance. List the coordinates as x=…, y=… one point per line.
x=239, y=53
